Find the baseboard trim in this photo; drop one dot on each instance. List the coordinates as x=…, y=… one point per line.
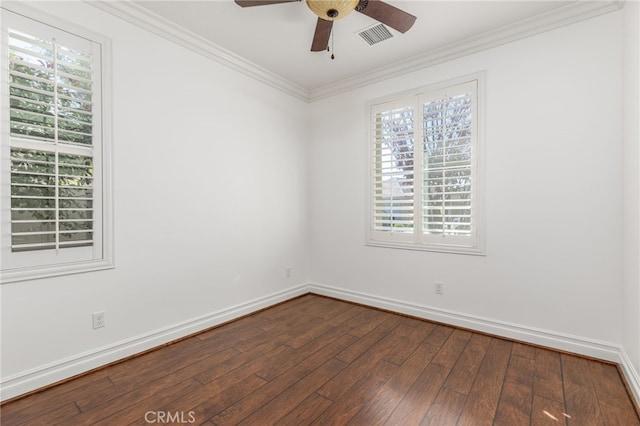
x=46, y=375
x=563, y=342
x=631, y=376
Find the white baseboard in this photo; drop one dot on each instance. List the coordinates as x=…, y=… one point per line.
x=44, y=375
x=631, y=374
x=47, y=374
x=564, y=342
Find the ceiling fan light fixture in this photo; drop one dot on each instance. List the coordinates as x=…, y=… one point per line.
x=332, y=10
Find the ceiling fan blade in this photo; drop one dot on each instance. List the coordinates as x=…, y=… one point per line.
x=251, y=3
x=389, y=15
x=321, y=36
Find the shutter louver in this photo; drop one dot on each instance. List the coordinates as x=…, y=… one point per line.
x=51, y=130
x=447, y=201
x=393, y=174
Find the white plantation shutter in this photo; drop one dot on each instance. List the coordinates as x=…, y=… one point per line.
x=448, y=133
x=425, y=196
x=393, y=172
x=54, y=146
x=51, y=200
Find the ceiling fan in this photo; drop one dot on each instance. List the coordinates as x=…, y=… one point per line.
x=332, y=10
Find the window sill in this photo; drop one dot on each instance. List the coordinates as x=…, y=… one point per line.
x=438, y=248
x=26, y=274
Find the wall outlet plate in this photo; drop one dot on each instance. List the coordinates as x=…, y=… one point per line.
x=98, y=320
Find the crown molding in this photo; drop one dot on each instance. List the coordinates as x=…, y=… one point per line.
x=143, y=18
x=565, y=15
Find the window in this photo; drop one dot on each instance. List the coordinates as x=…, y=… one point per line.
x=425, y=181
x=55, y=170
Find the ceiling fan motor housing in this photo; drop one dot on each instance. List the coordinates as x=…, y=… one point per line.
x=332, y=10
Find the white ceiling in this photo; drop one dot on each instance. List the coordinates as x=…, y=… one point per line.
x=278, y=37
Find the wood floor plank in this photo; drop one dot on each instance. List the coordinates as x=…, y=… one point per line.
x=523, y=350
x=220, y=389
x=264, y=343
x=369, y=339
x=316, y=360
x=613, y=399
x=352, y=401
x=419, y=397
x=410, y=339
x=220, y=382
x=333, y=311
x=219, y=401
x=582, y=406
x=246, y=406
x=245, y=342
x=439, y=335
x=280, y=406
x=346, y=315
x=416, y=322
x=367, y=321
x=290, y=309
x=482, y=402
x=54, y=416
x=547, y=381
x=451, y=350
x=514, y=407
x=445, y=410
x=468, y=364
x=25, y=410
x=547, y=412
x=381, y=405
x=178, y=373
x=148, y=366
x=307, y=411
x=221, y=385
x=133, y=405
x=215, y=371
x=361, y=366
x=580, y=395
x=313, y=330
x=270, y=371
x=228, y=330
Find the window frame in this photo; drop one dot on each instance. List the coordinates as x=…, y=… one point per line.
x=416, y=240
x=41, y=265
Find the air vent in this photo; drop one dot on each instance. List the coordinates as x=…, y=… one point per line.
x=375, y=34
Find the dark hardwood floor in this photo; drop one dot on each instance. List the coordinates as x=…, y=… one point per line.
x=315, y=361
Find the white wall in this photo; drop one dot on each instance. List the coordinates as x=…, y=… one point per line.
x=553, y=175
x=631, y=156
x=210, y=208
x=197, y=243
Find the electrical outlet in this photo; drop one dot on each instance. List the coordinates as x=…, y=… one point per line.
x=439, y=287
x=98, y=320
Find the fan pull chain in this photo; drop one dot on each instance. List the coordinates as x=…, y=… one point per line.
x=332, y=49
